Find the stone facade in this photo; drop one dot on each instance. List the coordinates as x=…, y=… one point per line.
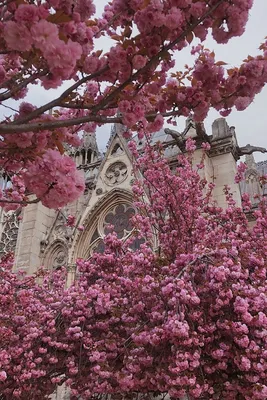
x=42, y=237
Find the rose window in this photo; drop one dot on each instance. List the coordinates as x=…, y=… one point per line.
x=117, y=219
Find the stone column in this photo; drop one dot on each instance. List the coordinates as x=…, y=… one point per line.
x=224, y=156
x=36, y=220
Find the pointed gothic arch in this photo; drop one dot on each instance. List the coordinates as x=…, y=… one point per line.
x=95, y=220
x=253, y=185
x=56, y=255
x=116, y=149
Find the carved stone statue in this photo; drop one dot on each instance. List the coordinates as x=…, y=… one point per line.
x=176, y=136
x=248, y=149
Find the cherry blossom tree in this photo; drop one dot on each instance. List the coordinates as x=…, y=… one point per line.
x=136, y=82
x=185, y=315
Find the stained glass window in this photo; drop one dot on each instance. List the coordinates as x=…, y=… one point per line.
x=100, y=247
x=119, y=217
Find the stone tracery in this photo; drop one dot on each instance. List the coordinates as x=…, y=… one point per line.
x=117, y=219
x=57, y=255
x=9, y=234
x=116, y=173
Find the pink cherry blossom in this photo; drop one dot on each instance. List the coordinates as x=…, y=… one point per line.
x=44, y=34
x=54, y=178
x=189, y=319
x=26, y=13
x=70, y=220
x=139, y=61
x=17, y=36
x=3, y=376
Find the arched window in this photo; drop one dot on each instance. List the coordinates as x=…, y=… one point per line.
x=115, y=208
x=9, y=234
x=252, y=185
x=89, y=156
x=83, y=156
x=56, y=256
x=119, y=217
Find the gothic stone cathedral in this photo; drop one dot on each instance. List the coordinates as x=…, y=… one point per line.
x=40, y=235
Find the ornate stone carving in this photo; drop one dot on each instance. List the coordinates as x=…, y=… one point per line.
x=248, y=149
x=116, y=173
x=43, y=245
x=60, y=258
x=58, y=232
x=90, y=182
x=120, y=219
x=223, y=144
x=56, y=255
x=10, y=234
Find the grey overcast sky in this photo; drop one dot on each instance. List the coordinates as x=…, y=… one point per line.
x=251, y=124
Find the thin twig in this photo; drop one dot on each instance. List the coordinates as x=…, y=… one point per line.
x=57, y=102
x=15, y=126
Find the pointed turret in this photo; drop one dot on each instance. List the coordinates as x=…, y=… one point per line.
x=251, y=183
x=116, y=129
x=88, y=152
x=250, y=162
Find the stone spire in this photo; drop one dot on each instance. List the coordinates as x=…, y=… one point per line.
x=220, y=129
x=117, y=128
x=88, y=152
x=251, y=184
x=89, y=141
x=250, y=161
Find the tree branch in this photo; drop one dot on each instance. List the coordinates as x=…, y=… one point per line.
x=39, y=126
x=58, y=100
x=18, y=87
x=42, y=125
x=194, y=261
x=155, y=59
x=22, y=202
x=21, y=126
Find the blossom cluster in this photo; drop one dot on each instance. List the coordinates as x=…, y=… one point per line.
x=188, y=319
x=51, y=42
x=54, y=179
